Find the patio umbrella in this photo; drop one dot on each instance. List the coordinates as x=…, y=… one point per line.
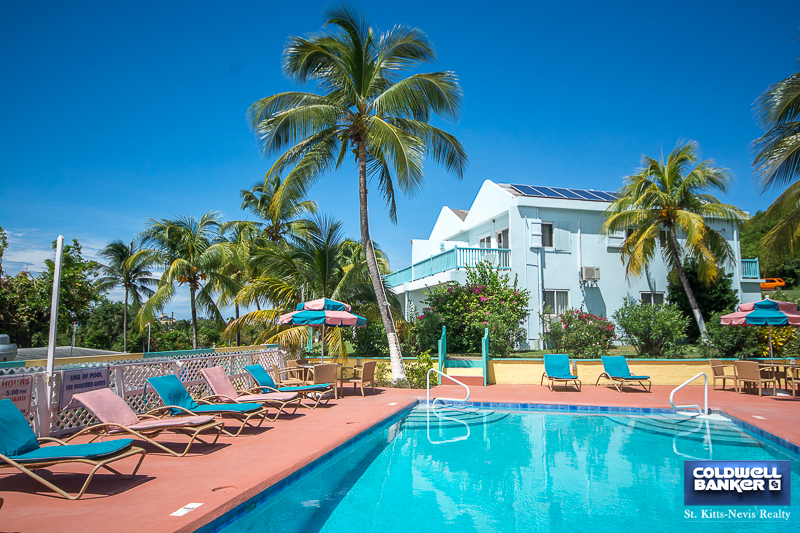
x=764, y=313
x=322, y=313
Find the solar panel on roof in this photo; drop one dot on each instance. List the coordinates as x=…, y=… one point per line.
x=568, y=193
x=540, y=191
x=605, y=196
x=550, y=192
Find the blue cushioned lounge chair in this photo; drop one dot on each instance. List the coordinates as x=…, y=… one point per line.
x=264, y=382
x=21, y=450
x=177, y=401
x=616, y=369
x=556, y=368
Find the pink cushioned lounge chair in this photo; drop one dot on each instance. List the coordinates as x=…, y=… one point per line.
x=224, y=391
x=116, y=417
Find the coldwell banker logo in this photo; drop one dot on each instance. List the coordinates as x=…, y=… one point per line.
x=736, y=483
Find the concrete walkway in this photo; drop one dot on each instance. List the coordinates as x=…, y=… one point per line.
x=235, y=469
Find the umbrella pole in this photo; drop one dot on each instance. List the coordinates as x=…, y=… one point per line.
x=322, y=357
x=771, y=361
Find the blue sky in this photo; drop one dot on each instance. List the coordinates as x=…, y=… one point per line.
x=114, y=113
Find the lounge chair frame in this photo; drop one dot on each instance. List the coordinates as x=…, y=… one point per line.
x=106, y=429
x=244, y=418
x=619, y=382
x=553, y=379
x=279, y=405
x=317, y=398
x=27, y=468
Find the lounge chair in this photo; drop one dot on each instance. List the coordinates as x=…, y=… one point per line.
x=718, y=372
x=367, y=376
x=556, y=368
x=178, y=401
x=750, y=372
x=616, y=369
x=224, y=391
x=117, y=417
x=264, y=382
x=20, y=449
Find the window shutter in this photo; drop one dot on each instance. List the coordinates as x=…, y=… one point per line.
x=561, y=237
x=536, y=233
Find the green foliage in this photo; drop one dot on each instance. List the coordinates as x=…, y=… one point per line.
x=778, y=265
x=711, y=298
x=739, y=342
x=25, y=299
x=370, y=341
x=487, y=300
x=579, y=333
x=653, y=330
x=416, y=373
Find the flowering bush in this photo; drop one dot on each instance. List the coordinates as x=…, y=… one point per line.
x=487, y=300
x=580, y=334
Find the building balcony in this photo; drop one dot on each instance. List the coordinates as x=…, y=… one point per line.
x=453, y=259
x=750, y=269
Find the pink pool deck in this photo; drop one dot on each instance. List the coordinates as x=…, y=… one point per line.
x=235, y=469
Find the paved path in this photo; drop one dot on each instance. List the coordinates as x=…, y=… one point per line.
x=235, y=469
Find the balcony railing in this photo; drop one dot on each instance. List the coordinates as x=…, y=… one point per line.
x=453, y=259
x=750, y=269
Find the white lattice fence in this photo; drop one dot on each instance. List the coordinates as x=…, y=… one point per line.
x=128, y=379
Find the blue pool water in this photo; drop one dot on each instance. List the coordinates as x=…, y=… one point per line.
x=516, y=472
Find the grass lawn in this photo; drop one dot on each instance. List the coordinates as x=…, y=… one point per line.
x=792, y=295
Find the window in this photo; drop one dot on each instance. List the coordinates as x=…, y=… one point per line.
x=547, y=234
x=485, y=242
x=557, y=301
x=652, y=298
x=502, y=238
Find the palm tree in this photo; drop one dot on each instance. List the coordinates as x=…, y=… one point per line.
x=126, y=270
x=191, y=252
x=367, y=107
x=777, y=162
x=322, y=265
x=669, y=197
x=281, y=207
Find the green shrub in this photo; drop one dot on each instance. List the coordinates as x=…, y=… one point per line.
x=416, y=374
x=652, y=330
x=579, y=333
x=739, y=342
x=370, y=341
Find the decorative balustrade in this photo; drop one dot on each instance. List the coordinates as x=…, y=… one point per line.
x=454, y=259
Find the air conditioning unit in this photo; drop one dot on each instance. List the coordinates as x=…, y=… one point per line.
x=590, y=273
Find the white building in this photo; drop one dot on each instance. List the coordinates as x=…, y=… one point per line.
x=549, y=237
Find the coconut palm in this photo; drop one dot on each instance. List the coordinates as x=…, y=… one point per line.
x=669, y=196
x=281, y=209
x=322, y=265
x=131, y=272
x=367, y=108
x=777, y=162
x=191, y=253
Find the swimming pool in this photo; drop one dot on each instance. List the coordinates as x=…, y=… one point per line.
x=503, y=471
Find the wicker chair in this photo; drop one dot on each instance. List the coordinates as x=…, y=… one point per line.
x=750, y=372
x=326, y=373
x=718, y=372
x=367, y=376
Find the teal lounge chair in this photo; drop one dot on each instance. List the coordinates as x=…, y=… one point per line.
x=616, y=370
x=20, y=449
x=264, y=382
x=556, y=368
x=178, y=401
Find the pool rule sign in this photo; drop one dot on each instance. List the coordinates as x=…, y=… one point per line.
x=81, y=380
x=18, y=390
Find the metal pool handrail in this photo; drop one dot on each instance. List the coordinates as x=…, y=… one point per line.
x=679, y=387
x=428, y=387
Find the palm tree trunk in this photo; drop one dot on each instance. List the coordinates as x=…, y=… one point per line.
x=194, y=318
x=125, y=324
x=396, y=357
x=698, y=316
x=238, y=333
